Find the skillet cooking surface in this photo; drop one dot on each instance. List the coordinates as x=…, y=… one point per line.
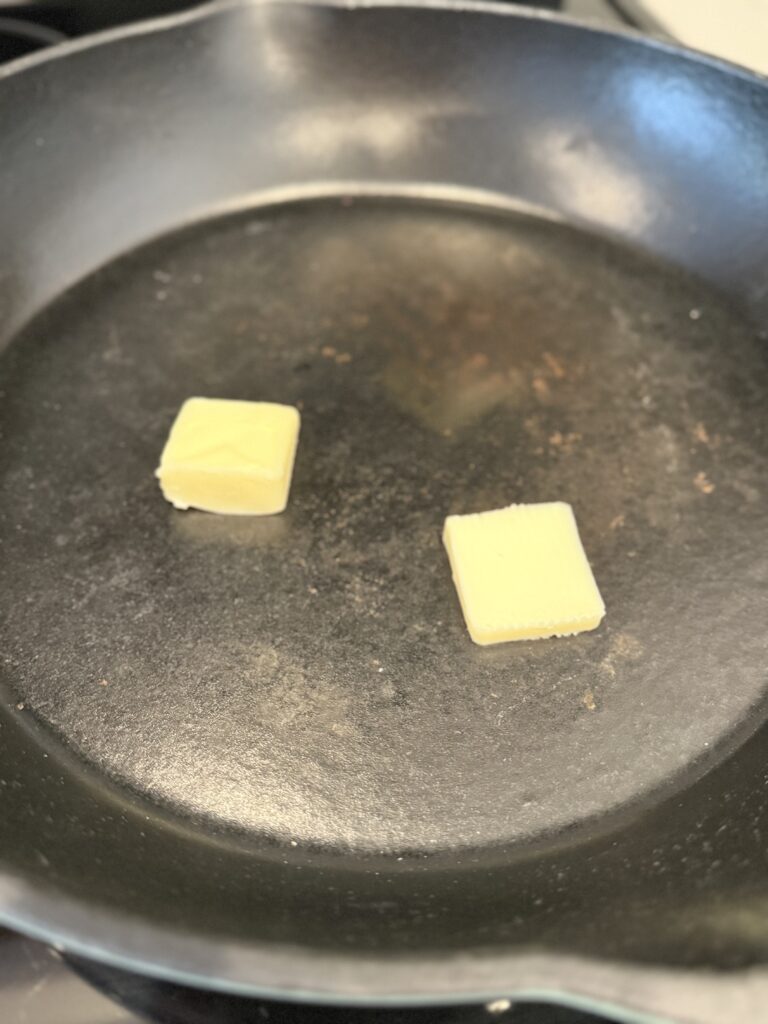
x=309, y=676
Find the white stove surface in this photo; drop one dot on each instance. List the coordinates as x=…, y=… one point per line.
x=734, y=29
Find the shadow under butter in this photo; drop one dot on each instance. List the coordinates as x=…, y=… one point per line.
x=204, y=528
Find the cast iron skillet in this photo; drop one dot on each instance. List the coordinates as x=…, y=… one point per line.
x=495, y=257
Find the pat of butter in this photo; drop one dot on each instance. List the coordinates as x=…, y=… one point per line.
x=521, y=573
x=230, y=457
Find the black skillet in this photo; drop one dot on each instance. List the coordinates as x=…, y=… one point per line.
x=495, y=257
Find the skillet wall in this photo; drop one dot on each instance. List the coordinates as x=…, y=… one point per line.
x=118, y=143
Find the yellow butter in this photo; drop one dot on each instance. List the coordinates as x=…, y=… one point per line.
x=230, y=457
x=521, y=573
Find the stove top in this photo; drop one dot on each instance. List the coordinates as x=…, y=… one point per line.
x=38, y=984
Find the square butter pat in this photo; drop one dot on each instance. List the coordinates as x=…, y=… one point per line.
x=521, y=573
x=230, y=457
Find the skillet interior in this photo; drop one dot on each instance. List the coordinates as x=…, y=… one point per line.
x=535, y=797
